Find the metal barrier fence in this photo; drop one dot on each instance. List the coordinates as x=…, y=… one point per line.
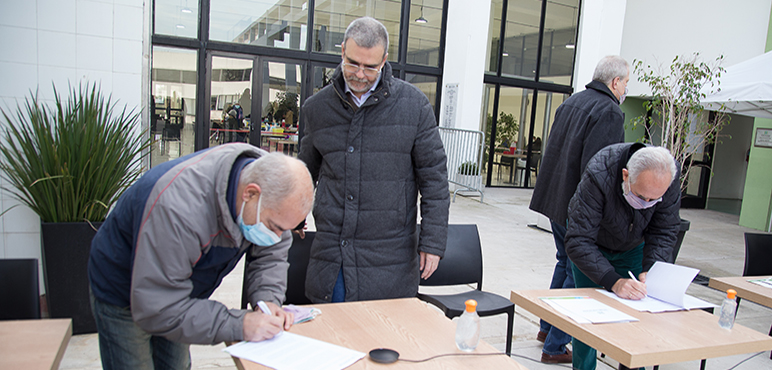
x=464, y=149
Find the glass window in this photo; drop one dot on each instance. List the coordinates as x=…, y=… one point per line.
x=494, y=33
x=423, y=43
x=231, y=100
x=514, y=109
x=322, y=77
x=280, y=90
x=332, y=17
x=427, y=84
x=557, y=60
x=173, y=103
x=176, y=17
x=521, y=39
x=273, y=23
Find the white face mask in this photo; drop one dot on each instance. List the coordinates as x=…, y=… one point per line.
x=622, y=98
x=258, y=233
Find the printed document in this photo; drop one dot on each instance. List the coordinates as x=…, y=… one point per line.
x=295, y=352
x=585, y=310
x=666, y=286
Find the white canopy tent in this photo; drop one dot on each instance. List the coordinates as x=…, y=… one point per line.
x=746, y=88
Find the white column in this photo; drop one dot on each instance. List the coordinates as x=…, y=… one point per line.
x=465, y=53
x=600, y=34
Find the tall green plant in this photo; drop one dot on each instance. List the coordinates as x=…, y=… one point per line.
x=676, y=95
x=70, y=163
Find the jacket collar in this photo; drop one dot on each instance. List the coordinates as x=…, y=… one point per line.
x=602, y=88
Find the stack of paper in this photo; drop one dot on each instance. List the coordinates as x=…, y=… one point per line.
x=585, y=310
x=666, y=286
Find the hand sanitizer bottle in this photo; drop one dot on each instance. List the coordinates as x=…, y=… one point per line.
x=468, y=328
x=728, y=309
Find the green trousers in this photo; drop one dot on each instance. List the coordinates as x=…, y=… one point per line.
x=584, y=356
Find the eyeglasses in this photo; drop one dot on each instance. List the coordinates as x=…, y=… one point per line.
x=354, y=69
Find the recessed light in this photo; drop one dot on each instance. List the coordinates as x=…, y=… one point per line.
x=181, y=26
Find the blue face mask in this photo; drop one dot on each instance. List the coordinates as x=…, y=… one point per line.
x=258, y=233
x=636, y=202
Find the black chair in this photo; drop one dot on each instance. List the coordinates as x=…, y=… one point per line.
x=758, y=259
x=533, y=165
x=462, y=264
x=19, y=289
x=296, y=274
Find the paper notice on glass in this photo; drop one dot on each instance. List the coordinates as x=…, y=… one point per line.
x=666, y=286
x=585, y=310
x=294, y=352
x=767, y=283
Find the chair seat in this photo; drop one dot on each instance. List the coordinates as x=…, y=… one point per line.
x=488, y=304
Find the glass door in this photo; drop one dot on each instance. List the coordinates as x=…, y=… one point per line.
x=279, y=89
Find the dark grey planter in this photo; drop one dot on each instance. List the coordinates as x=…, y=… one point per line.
x=679, y=239
x=66, y=247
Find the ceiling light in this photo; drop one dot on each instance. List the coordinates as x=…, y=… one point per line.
x=505, y=54
x=570, y=45
x=421, y=19
x=181, y=26
x=186, y=10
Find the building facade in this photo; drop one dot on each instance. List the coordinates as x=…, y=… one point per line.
x=205, y=72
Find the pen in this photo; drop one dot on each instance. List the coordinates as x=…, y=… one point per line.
x=267, y=311
x=629, y=272
x=633, y=277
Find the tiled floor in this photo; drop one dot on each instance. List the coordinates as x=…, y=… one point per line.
x=517, y=256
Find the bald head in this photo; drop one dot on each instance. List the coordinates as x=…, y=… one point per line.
x=281, y=179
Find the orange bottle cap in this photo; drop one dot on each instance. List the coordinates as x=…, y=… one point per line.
x=731, y=293
x=471, y=305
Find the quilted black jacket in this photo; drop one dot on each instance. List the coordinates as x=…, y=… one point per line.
x=370, y=164
x=599, y=218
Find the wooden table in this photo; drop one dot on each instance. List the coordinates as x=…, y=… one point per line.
x=656, y=339
x=407, y=326
x=745, y=290
x=515, y=157
x=33, y=344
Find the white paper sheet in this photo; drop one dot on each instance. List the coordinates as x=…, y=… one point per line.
x=585, y=310
x=290, y=351
x=767, y=283
x=666, y=286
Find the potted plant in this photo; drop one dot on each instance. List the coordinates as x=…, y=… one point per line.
x=69, y=163
x=676, y=119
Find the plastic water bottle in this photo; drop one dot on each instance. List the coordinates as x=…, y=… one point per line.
x=728, y=308
x=468, y=328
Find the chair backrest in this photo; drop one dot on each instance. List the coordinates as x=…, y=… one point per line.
x=19, y=289
x=462, y=263
x=758, y=254
x=535, y=157
x=299, y=253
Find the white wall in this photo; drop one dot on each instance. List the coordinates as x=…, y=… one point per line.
x=600, y=34
x=655, y=31
x=61, y=41
x=465, y=53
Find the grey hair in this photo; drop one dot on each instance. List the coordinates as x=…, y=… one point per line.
x=651, y=158
x=609, y=68
x=368, y=32
x=280, y=177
